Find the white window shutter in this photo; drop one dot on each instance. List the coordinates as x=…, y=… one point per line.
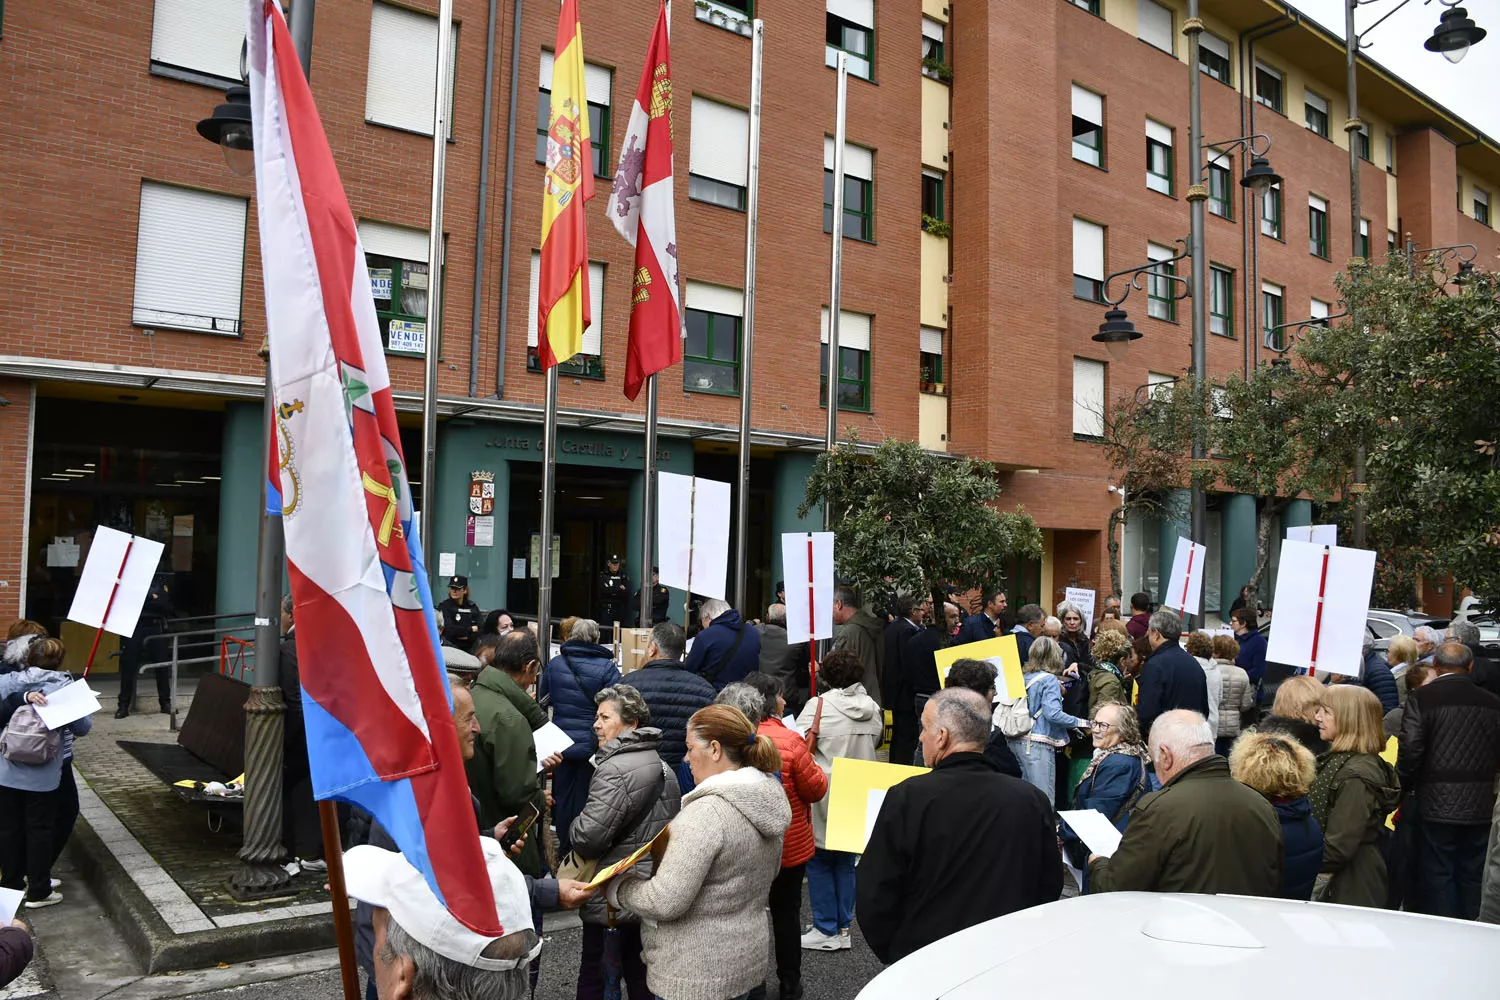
x=201, y=35
x=593, y=336
x=858, y=161
x=932, y=29
x=854, y=330
x=1155, y=25
x=1088, y=250
x=1271, y=288
x=387, y=240
x=720, y=143
x=1158, y=132
x=715, y=299
x=861, y=12
x=189, y=259
x=931, y=340
x=1312, y=100
x=1313, y=201
x=402, y=75
x=1319, y=309
x=1364, y=228
x=1088, y=105
x=597, y=81
x=1214, y=44
x=1155, y=251
x=535, y=297
x=1088, y=397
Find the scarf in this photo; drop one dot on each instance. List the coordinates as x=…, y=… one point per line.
x=1321, y=792
x=1137, y=750
x=1106, y=665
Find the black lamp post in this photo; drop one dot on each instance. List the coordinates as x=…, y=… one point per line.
x=229, y=128
x=1454, y=34
x=1260, y=178
x=1116, y=332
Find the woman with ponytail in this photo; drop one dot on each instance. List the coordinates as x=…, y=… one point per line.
x=707, y=893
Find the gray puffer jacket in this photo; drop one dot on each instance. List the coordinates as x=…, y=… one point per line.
x=632, y=795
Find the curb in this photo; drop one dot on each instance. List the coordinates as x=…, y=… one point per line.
x=155, y=945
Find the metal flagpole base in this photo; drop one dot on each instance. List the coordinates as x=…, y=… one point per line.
x=260, y=873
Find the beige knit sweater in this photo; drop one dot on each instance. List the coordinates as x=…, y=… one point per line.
x=704, y=931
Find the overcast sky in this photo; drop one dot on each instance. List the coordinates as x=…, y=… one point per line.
x=1468, y=89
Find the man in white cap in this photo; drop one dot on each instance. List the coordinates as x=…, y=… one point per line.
x=422, y=952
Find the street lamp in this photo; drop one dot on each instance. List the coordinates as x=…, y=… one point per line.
x=1260, y=178
x=1437, y=257
x=1116, y=332
x=229, y=128
x=1454, y=34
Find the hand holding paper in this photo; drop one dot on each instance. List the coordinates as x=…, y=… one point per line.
x=549, y=740
x=1094, y=829
x=68, y=704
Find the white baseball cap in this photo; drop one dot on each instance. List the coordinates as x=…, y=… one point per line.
x=386, y=879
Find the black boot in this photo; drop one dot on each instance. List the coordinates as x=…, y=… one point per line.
x=123, y=710
x=791, y=989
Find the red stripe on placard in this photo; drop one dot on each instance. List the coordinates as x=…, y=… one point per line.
x=812, y=624
x=1312, y=664
x=1188, y=575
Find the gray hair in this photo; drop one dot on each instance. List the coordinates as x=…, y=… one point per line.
x=1168, y=624
x=776, y=614
x=1045, y=655
x=712, y=608
x=632, y=707
x=1052, y=621
x=745, y=698
x=1127, y=723
x=1184, y=732
x=286, y=604
x=584, y=630
x=1069, y=608
x=670, y=640
x=1426, y=633
x=456, y=681
x=964, y=713
x=440, y=978
x=1465, y=632
x=1030, y=613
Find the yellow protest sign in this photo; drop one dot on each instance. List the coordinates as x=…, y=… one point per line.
x=855, y=793
x=1002, y=651
x=1392, y=746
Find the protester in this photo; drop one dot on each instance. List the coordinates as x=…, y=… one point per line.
x=461, y=617
x=1030, y=622
x=631, y=797
x=16, y=951
x=985, y=624
x=1295, y=712
x=661, y=599
x=848, y=724
x=1171, y=678
x=726, y=649
x=31, y=774
x=1485, y=670
x=773, y=655
x=1245, y=599
x=569, y=686
x=1052, y=628
x=503, y=773
x=1036, y=750
x=1282, y=770
x=979, y=676
x=1140, y=615
x=917, y=681
x=1378, y=678
x=1236, y=693
x=1202, y=831
x=1449, y=756
x=138, y=650
x=805, y=784
x=704, y=930
x=1354, y=792
x=1414, y=676
x=671, y=691
x=497, y=622
x=860, y=632
x=956, y=846
x=18, y=638
x=1427, y=638
x=1107, y=679
x=905, y=624
x=1115, y=778
x=1109, y=612
x=1074, y=637
x=1140, y=649
x=1399, y=656
x=1252, y=658
x=1200, y=646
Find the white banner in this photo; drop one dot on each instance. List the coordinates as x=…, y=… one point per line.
x=807, y=565
x=1322, y=600
x=692, y=534
x=107, y=562
x=1185, y=588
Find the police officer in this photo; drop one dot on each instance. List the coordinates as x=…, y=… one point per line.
x=614, y=593
x=660, y=598
x=460, y=615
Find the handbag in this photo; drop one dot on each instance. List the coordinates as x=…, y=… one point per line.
x=811, y=739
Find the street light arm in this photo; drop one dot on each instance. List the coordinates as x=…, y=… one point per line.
x=1270, y=337
x=1362, y=3
x=1246, y=142
x=1136, y=273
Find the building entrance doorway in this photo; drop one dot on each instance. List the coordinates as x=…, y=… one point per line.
x=590, y=524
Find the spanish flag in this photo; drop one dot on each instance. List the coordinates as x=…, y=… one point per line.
x=563, y=307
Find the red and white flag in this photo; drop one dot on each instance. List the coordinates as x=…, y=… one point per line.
x=641, y=208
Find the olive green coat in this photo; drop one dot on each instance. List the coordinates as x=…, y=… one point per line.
x=503, y=773
x=1364, y=792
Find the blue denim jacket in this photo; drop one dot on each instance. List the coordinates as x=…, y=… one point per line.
x=1048, y=720
x=37, y=777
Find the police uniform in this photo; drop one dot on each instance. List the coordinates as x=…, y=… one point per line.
x=460, y=619
x=614, y=594
x=661, y=597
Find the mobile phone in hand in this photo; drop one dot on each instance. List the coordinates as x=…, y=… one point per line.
x=519, y=828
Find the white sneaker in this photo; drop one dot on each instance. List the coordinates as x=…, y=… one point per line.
x=37, y=904
x=845, y=941
x=56, y=882
x=816, y=940
x=312, y=865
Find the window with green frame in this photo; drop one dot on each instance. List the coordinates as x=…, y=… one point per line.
x=854, y=378
x=1270, y=212
x=1221, y=191
x=932, y=197
x=599, y=84
x=1362, y=142
x=1273, y=314
x=400, y=290
x=1364, y=238
x=1092, y=6
x=859, y=207
x=1317, y=227
x=1161, y=297
x=857, y=40
x=1221, y=301
x=1269, y=88
x=930, y=359
x=711, y=353
x=1158, y=157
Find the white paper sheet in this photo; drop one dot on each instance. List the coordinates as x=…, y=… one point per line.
x=873, y=802
x=1346, y=602
x=98, y=579
x=794, y=568
x=692, y=522
x=1317, y=534
x=68, y=704
x=10, y=902
x=1185, y=588
x=790, y=721
x=1085, y=600
x=447, y=563
x=1094, y=829
x=550, y=739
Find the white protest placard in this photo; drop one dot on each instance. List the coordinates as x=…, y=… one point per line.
x=807, y=565
x=1322, y=600
x=10, y=902
x=1317, y=534
x=1185, y=587
x=1085, y=600
x=114, y=555
x=873, y=801
x=68, y=704
x=692, y=534
x=1094, y=829
x=550, y=739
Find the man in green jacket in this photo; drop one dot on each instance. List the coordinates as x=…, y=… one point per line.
x=1202, y=832
x=503, y=773
x=860, y=632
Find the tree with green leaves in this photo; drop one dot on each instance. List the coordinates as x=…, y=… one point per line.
x=906, y=520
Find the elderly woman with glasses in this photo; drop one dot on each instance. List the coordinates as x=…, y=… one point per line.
x=1116, y=776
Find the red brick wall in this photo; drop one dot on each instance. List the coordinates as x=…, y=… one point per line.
x=1429, y=170
x=15, y=448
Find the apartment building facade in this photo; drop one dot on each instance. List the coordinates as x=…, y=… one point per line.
x=977, y=205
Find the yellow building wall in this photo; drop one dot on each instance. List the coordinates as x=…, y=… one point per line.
x=934, y=124
x=934, y=288
x=1392, y=212
x=932, y=421
x=935, y=9
x=1467, y=183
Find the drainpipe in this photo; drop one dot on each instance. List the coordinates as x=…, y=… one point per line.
x=484, y=188
x=510, y=186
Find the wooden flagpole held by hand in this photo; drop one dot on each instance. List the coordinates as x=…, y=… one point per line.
x=343, y=925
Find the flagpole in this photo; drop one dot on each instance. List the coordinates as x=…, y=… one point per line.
x=544, y=559
x=747, y=338
x=835, y=289
x=648, y=504
x=441, y=92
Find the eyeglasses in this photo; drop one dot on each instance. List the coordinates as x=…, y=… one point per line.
x=1101, y=726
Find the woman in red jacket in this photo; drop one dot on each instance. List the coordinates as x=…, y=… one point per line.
x=805, y=783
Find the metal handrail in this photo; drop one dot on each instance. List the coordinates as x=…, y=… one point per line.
x=198, y=637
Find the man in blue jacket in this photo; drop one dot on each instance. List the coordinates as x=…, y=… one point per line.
x=1252, y=658
x=1377, y=677
x=581, y=669
x=1029, y=622
x=1171, y=678
x=672, y=694
x=727, y=649
x=984, y=624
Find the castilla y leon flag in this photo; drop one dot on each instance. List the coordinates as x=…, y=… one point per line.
x=375, y=700
x=563, y=307
x=641, y=208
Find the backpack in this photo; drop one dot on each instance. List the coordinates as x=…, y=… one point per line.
x=27, y=740
x=1013, y=715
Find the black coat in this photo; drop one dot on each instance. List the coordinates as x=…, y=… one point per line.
x=1171, y=679
x=1450, y=750
x=672, y=693
x=1302, y=848
x=459, y=622
x=660, y=598
x=614, y=598
x=919, y=664
x=893, y=679
x=952, y=848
